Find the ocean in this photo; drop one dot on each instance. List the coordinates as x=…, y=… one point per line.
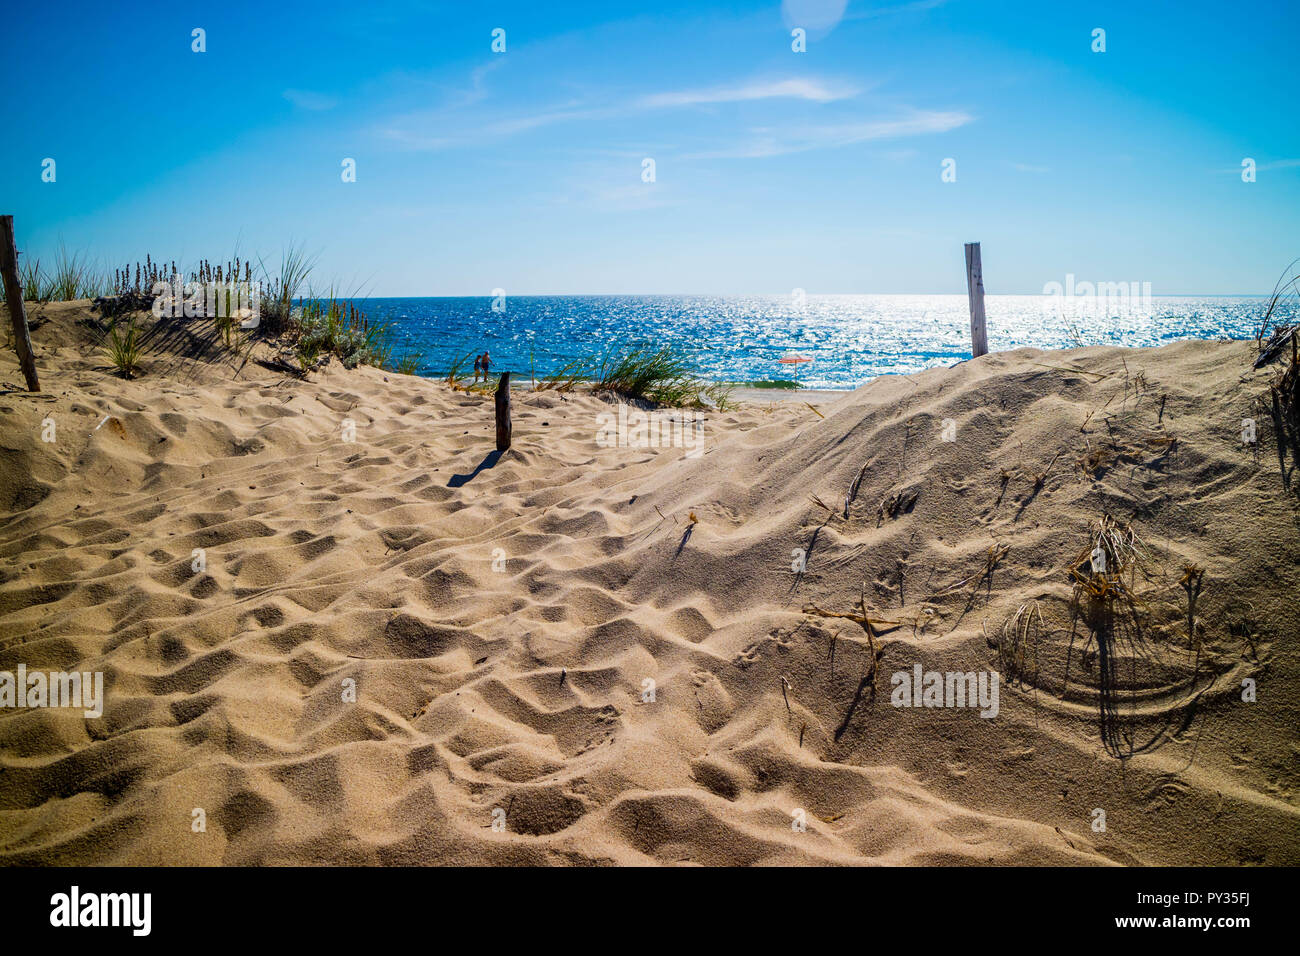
x=846, y=340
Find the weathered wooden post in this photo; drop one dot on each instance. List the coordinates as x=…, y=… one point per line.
x=503, y=412
x=14, y=300
x=979, y=337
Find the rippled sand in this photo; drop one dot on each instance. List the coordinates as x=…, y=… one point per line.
x=500, y=620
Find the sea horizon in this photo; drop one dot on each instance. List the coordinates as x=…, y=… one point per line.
x=824, y=341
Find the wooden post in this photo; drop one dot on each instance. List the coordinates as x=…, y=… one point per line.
x=14, y=300
x=979, y=337
x=503, y=412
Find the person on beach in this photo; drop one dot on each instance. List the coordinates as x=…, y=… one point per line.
x=478, y=364
x=486, y=361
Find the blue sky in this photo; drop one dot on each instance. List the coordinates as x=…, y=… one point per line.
x=774, y=170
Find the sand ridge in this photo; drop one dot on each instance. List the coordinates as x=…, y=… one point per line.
x=500, y=621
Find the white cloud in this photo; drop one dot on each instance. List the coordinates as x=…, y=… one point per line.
x=454, y=126
x=772, y=141
x=307, y=100
x=876, y=12
x=409, y=129
x=813, y=14
x=628, y=197
x=818, y=91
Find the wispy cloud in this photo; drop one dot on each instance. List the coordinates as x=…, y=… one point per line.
x=409, y=130
x=453, y=125
x=818, y=91
x=308, y=100
x=873, y=13
x=522, y=124
x=773, y=141
x=477, y=90
x=622, y=197
x=825, y=15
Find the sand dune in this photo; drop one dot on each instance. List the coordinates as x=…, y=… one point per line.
x=501, y=619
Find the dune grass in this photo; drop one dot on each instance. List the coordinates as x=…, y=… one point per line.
x=281, y=291
x=29, y=274
x=456, y=372
x=408, y=364
x=566, y=378
x=147, y=274
x=1278, y=337
x=314, y=326
x=71, y=277
x=1279, y=321
x=781, y=383
x=123, y=348
x=1284, y=393
x=657, y=375
x=334, y=325
x=661, y=375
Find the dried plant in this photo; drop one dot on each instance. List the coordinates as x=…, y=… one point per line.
x=1191, y=581
x=1106, y=576
x=1279, y=323
x=1284, y=392
x=1018, y=648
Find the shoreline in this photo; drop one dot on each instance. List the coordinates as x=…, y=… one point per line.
x=739, y=393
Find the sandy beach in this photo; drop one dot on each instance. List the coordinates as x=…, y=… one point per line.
x=398, y=649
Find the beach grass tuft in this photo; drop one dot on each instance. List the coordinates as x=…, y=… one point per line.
x=657, y=375
x=333, y=325
x=1285, y=394
x=1279, y=323
x=123, y=348
x=1278, y=336
x=660, y=375
x=456, y=373
x=281, y=291
x=72, y=277
x=29, y=274
x=408, y=364
x=566, y=378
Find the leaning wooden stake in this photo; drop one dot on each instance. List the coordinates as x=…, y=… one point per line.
x=979, y=338
x=14, y=299
x=503, y=412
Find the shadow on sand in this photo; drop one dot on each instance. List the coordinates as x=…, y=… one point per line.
x=490, y=461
